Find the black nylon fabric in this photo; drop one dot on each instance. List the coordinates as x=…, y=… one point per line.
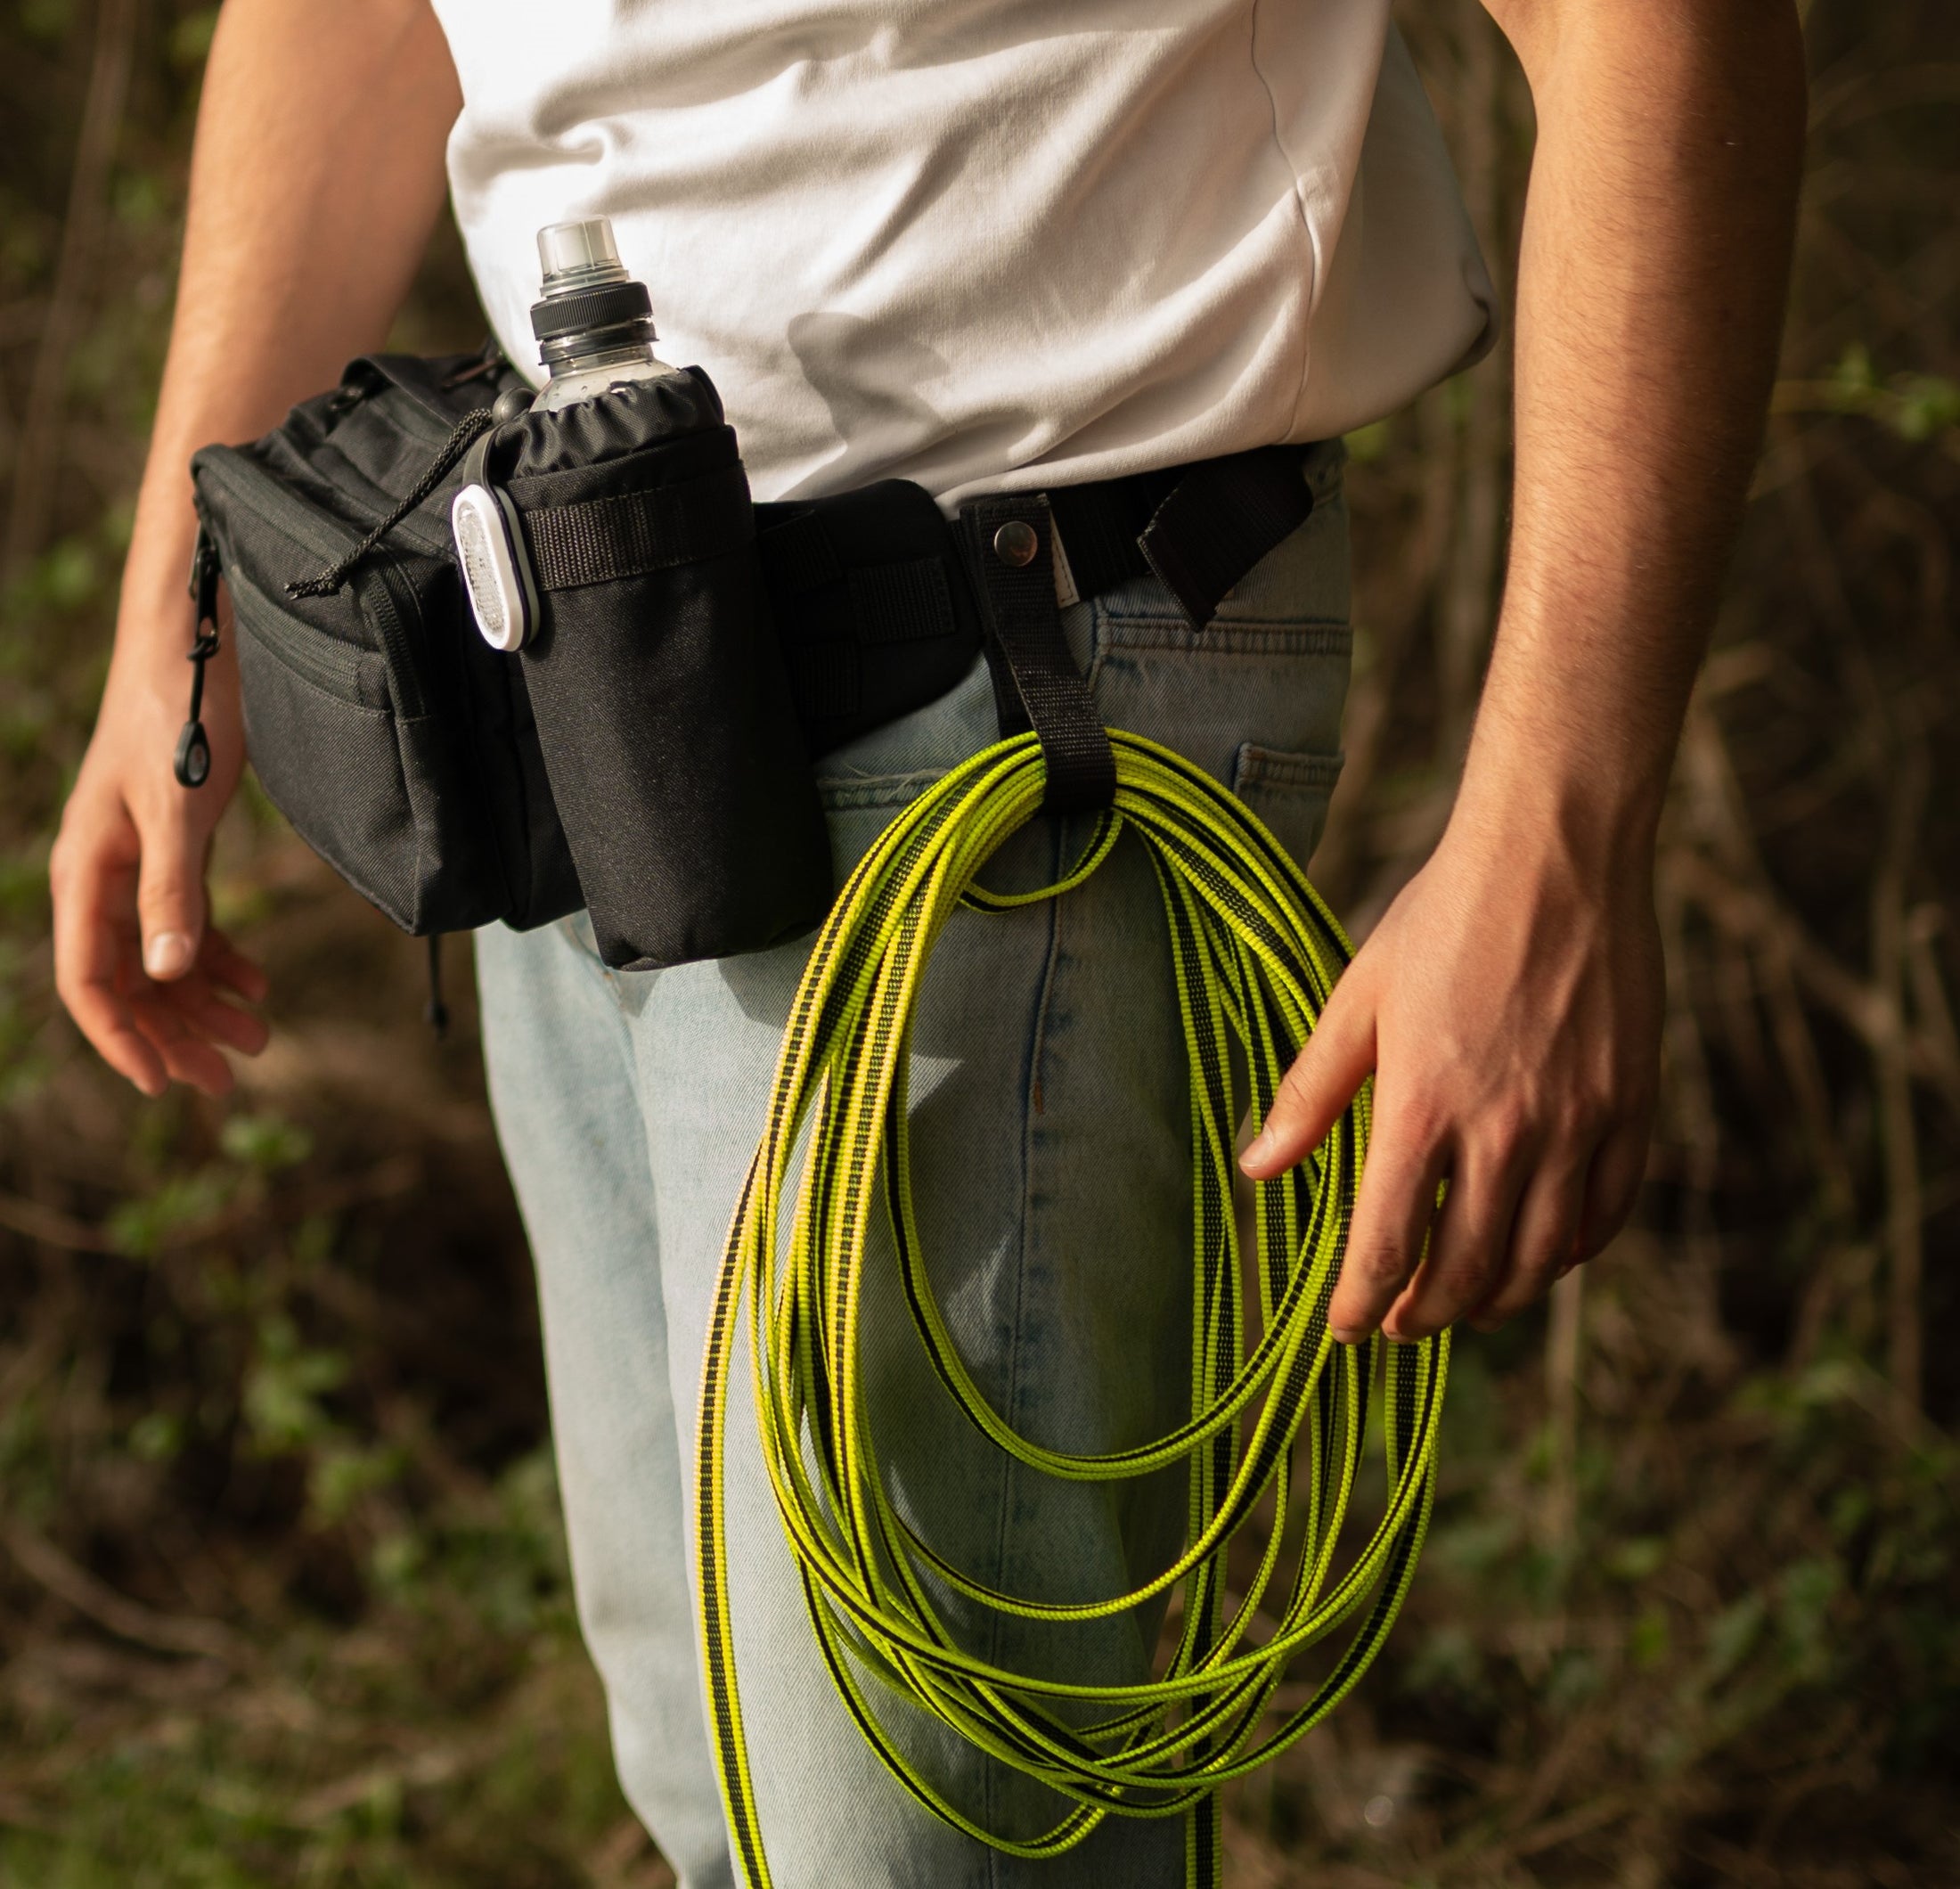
x=663, y=701
x=400, y=747
x=635, y=534
x=872, y=609
x=1041, y=679
x=688, y=665
x=1220, y=520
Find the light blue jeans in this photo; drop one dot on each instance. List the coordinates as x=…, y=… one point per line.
x=1052, y=1172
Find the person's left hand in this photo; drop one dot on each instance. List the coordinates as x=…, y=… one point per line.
x=1509, y=1006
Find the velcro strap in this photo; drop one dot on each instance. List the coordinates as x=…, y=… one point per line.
x=900, y=602
x=1220, y=518
x=1025, y=631
x=629, y=535
x=798, y=556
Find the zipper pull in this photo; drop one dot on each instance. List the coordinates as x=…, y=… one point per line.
x=192, y=764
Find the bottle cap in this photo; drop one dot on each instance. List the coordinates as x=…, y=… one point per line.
x=609, y=305
x=579, y=255
x=586, y=287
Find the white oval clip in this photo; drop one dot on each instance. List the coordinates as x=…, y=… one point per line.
x=495, y=570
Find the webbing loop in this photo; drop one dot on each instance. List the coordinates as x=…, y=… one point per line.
x=1010, y=547
x=1281, y=1412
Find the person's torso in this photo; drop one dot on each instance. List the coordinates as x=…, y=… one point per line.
x=984, y=243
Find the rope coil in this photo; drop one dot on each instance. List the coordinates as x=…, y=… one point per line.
x=1256, y=953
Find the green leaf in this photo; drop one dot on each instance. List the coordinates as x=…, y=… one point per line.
x=343, y=1474
x=283, y=1387
x=46, y=20
x=1926, y=405
x=1804, y=1598
x=1649, y=1638
x=157, y=1436
x=63, y=579
x=139, y=1227
x=1639, y=1559
x=1367, y=444
x=191, y=37
x=1854, y=373
x=266, y=1143
x=1731, y=1635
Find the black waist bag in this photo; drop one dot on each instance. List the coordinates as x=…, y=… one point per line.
x=400, y=746
x=683, y=676
x=663, y=701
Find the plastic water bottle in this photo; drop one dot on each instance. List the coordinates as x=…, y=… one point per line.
x=594, y=321
x=594, y=327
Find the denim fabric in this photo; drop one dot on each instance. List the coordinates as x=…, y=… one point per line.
x=1051, y=1132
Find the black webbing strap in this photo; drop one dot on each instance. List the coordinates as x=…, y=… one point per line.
x=901, y=602
x=599, y=540
x=796, y=553
x=1100, y=526
x=1198, y=528
x=1220, y=520
x=871, y=627
x=1011, y=538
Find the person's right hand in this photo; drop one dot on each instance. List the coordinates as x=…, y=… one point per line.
x=137, y=961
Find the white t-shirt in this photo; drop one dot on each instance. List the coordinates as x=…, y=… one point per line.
x=985, y=245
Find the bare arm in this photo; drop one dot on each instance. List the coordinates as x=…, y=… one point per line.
x=1509, y=1003
x=315, y=182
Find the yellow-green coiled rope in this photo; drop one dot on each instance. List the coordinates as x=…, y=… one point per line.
x=1255, y=954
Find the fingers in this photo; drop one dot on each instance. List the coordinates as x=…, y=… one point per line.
x=1468, y=1245
x=149, y=1032
x=91, y=874
x=170, y=897
x=1569, y=1213
x=1391, y=1217
x=188, y=1057
x=188, y=1022
x=1336, y=1060
x=225, y=964
x=89, y=956
x=1543, y=1244
x=1614, y=1184
x=207, y=1013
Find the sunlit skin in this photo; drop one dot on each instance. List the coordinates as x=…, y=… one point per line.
x=1508, y=1004
x=316, y=182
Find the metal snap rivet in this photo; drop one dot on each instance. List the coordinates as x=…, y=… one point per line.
x=1015, y=542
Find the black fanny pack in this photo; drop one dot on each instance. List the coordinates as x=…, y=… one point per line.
x=648, y=753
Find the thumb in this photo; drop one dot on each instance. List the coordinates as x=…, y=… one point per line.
x=170, y=901
x=1325, y=1077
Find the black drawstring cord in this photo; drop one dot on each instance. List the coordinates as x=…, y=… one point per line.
x=437, y=1014
x=191, y=764
x=331, y=579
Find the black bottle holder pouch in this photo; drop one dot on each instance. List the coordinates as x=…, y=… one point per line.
x=661, y=695
x=398, y=744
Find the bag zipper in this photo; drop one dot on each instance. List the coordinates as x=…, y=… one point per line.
x=492, y=363
x=312, y=528
x=315, y=656
x=382, y=600
x=315, y=530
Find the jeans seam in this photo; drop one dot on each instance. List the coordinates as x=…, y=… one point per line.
x=1030, y=1083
